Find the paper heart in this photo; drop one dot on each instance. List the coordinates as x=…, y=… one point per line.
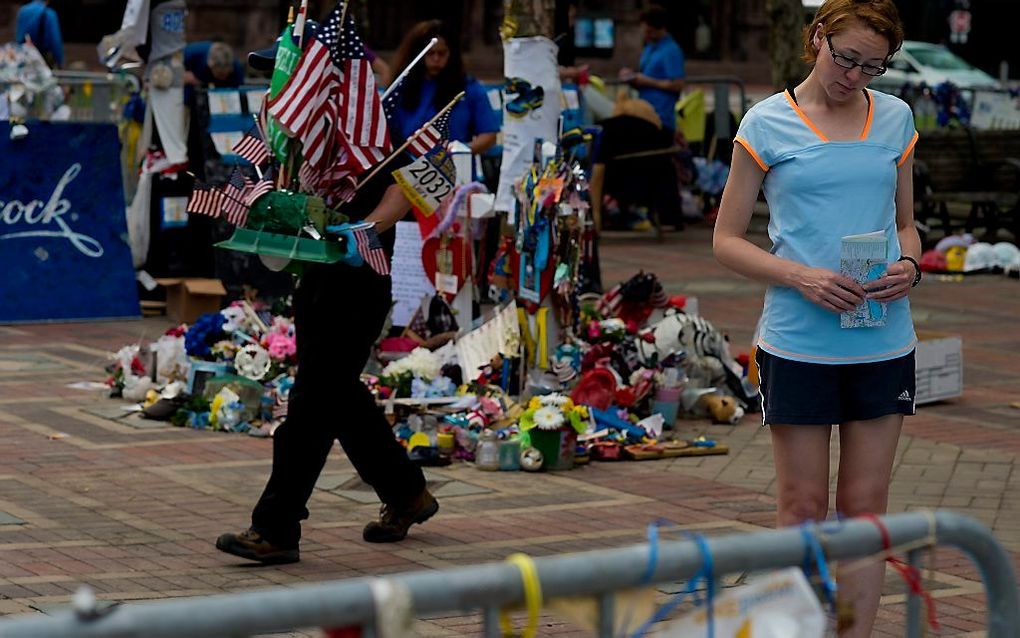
x=459, y=256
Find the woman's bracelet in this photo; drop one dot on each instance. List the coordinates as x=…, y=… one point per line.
x=917, y=269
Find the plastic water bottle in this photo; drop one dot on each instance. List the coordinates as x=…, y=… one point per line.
x=487, y=452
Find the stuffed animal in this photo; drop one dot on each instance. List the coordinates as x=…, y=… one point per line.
x=707, y=362
x=721, y=408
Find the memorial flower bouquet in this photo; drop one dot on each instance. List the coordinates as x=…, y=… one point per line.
x=400, y=375
x=554, y=412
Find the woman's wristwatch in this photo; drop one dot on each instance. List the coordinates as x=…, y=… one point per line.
x=917, y=269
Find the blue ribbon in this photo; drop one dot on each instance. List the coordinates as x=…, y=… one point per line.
x=704, y=573
x=813, y=549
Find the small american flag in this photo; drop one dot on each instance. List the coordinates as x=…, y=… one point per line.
x=235, y=194
x=261, y=187
x=392, y=103
x=361, y=113
x=280, y=409
x=419, y=320
x=435, y=134
x=205, y=201
x=253, y=149
x=371, y=250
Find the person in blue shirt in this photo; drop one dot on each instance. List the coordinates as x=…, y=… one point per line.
x=212, y=63
x=660, y=78
x=835, y=161
x=436, y=80
x=38, y=23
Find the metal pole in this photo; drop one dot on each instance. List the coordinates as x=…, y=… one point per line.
x=913, y=600
x=494, y=585
x=607, y=610
x=490, y=618
x=722, y=111
x=722, y=79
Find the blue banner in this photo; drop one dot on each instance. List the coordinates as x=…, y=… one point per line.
x=64, y=252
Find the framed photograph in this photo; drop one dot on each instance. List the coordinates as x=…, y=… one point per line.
x=202, y=371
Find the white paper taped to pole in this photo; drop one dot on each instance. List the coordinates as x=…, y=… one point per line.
x=529, y=65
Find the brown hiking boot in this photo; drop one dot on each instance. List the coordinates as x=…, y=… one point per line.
x=393, y=523
x=251, y=545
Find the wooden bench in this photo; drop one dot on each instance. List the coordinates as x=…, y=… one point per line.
x=968, y=179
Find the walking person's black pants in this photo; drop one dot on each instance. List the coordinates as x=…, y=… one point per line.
x=339, y=312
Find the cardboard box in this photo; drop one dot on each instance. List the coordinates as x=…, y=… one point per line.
x=187, y=299
x=939, y=371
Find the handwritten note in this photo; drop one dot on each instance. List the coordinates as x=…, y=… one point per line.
x=410, y=283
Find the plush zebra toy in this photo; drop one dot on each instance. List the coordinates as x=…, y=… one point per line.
x=706, y=351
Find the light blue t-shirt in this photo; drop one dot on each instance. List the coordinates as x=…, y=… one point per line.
x=662, y=60
x=471, y=116
x=818, y=191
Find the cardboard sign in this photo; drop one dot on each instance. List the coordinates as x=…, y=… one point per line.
x=63, y=238
x=500, y=334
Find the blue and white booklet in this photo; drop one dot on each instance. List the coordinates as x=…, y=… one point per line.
x=864, y=258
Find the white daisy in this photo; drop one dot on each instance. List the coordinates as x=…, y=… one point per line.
x=548, y=418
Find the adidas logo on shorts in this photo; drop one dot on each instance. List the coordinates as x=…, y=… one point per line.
x=904, y=396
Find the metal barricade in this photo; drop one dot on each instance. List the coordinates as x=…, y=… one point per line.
x=721, y=85
x=91, y=97
x=493, y=586
x=96, y=97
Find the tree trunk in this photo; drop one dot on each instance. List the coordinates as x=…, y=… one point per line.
x=786, y=26
x=524, y=18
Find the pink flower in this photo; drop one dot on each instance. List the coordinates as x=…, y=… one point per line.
x=280, y=346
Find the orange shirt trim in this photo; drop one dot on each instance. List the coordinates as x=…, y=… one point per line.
x=906, y=152
x=750, y=151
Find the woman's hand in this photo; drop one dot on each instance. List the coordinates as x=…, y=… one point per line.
x=830, y=290
x=894, y=284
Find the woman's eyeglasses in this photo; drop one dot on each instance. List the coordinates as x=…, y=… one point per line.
x=849, y=63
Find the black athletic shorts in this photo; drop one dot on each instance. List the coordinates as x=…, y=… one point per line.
x=798, y=393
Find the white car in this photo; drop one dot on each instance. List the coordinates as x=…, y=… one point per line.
x=932, y=64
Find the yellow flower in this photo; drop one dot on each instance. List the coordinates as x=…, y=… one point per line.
x=535, y=403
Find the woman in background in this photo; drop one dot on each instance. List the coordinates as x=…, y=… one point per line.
x=435, y=81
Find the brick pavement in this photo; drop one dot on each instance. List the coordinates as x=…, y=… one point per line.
x=133, y=511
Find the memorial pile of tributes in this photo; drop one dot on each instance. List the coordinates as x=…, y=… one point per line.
x=551, y=372
x=611, y=388
x=231, y=370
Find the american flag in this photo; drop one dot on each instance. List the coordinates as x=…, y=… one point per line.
x=235, y=193
x=360, y=107
x=253, y=149
x=205, y=201
x=330, y=102
x=280, y=409
x=392, y=103
x=260, y=188
x=371, y=250
x=430, y=136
